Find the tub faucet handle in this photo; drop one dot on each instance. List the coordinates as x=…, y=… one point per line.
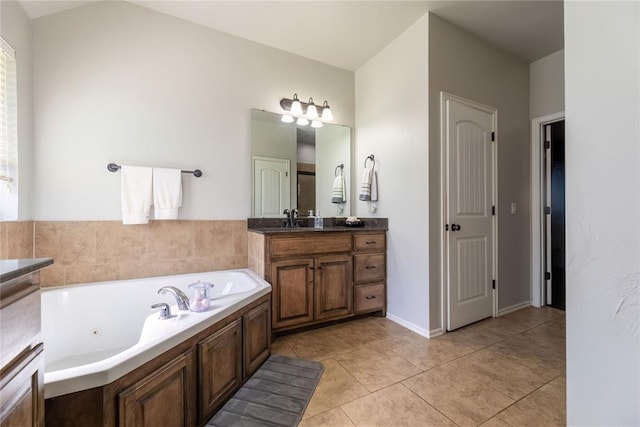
x=165, y=310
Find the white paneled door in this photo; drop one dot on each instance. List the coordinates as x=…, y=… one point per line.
x=271, y=187
x=469, y=200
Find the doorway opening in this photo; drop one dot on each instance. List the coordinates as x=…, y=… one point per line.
x=554, y=214
x=547, y=213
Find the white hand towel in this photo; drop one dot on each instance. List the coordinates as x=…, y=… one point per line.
x=338, y=193
x=374, y=186
x=167, y=193
x=135, y=194
x=365, y=186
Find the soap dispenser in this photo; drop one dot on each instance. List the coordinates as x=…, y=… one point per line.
x=318, y=222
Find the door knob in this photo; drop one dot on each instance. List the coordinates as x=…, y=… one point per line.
x=455, y=227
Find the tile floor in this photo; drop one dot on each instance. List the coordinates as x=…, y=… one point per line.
x=505, y=371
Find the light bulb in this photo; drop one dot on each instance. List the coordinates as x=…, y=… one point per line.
x=312, y=111
x=316, y=124
x=296, y=107
x=327, y=115
x=287, y=118
x=302, y=121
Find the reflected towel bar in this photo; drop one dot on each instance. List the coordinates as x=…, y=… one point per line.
x=341, y=167
x=112, y=167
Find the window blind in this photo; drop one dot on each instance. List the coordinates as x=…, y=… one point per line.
x=8, y=130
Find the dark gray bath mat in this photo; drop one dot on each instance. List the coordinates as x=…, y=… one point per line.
x=276, y=395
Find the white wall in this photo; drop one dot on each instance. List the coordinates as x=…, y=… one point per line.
x=463, y=65
x=333, y=147
x=119, y=83
x=546, y=85
x=603, y=212
x=392, y=124
x=15, y=27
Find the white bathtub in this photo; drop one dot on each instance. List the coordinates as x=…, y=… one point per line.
x=95, y=333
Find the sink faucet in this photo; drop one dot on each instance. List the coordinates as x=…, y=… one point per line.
x=165, y=311
x=181, y=298
x=292, y=217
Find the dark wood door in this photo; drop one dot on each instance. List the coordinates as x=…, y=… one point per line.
x=292, y=292
x=257, y=337
x=333, y=286
x=220, y=359
x=163, y=398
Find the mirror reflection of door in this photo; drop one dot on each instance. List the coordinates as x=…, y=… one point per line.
x=271, y=182
x=306, y=188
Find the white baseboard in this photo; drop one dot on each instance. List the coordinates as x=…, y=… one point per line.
x=417, y=329
x=435, y=332
x=515, y=307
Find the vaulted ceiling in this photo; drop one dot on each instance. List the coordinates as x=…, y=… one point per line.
x=346, y=34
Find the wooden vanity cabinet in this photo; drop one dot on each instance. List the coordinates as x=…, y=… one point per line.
x=22, y=391
x=163, y=397
x=312, y=274
x=220, y=363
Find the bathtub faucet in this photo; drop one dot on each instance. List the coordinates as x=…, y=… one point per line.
x=181, y=298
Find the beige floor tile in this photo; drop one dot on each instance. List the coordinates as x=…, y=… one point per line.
x=394, y=406
x=376, y=368
x=333, y=418
x=495, y=422
x=476, y=334
x=544, y=407
x=368, y=331
x=542, y=336
x=283, y=347
x=500, y=372
x=319, y=344
x=335, y=388
x=457, y=395
x=548, y=362
x=428, y=353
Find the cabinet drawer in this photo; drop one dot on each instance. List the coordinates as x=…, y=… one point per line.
x=369, y=242
x=311, y=245
x=368, y=297
x=369, y=267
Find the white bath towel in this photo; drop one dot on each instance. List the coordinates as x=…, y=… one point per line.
x=135, y=194
x=369, y=185
x=167, y=193
x=338, y=193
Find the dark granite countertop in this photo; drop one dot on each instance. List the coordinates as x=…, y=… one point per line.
x=274, y=226
x=12, y=268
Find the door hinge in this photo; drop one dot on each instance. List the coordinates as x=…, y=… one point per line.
x=547, y=145
x=547, y=275
x=286, y=173
x=493, y=210
x=493, y=283
x=446, y=227
x=493, y=136
x=547, y=210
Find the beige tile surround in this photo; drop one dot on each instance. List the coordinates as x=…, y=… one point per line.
x=506, y=371
x=90, y=251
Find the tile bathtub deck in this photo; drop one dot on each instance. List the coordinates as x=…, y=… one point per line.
x=506, y=371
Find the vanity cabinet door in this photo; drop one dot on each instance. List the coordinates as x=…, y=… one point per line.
x=292, y=292
x=220, y=359
x=257, y=337
x=162, y=398
x=22, y=392
x=333, y=287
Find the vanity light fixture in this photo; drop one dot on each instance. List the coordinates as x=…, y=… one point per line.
x=312, y=111
x=304, y=112
x=327, y=115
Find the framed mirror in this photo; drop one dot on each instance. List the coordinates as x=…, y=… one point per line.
x=295, y=167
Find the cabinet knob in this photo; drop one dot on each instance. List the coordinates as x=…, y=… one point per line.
x=371, y=242
x=370, y=297
x=369, y=267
